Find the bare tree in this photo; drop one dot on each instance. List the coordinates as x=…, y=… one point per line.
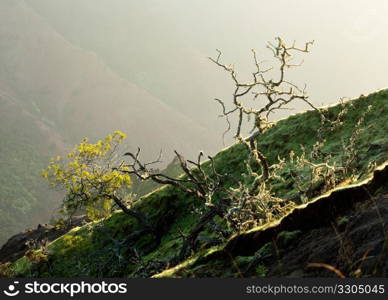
x=268, y=95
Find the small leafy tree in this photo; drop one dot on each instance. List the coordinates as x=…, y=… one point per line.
x=89, y=178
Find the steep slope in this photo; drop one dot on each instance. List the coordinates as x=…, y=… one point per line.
x=344, y=233
x=87, y=250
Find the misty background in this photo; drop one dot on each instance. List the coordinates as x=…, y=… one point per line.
x=76, y=68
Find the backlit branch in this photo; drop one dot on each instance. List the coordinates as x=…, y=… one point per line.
x=268, y=95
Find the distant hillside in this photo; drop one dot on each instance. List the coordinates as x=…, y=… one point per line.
x=87, y=250
x=79, y=94
x=25, y=147
x=52, y=94
x=146, y=44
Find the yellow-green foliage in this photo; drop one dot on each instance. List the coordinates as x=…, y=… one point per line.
x=75, y=240
x=22, y=266
x=88, y=176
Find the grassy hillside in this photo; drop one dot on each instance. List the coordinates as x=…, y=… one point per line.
x=99, y=249
x=25, y=147
x=337, y=229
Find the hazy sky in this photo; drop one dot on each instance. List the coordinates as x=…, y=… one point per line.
x=351, y=41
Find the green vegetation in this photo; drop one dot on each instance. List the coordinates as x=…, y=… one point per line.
x=286, y=237
x=24, y=151
x=88, y=176
x=99, y=248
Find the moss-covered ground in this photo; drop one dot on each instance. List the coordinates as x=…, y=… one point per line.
x=94, y=250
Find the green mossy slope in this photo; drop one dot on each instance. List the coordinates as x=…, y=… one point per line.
x=253, y=252
x=94, y=250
